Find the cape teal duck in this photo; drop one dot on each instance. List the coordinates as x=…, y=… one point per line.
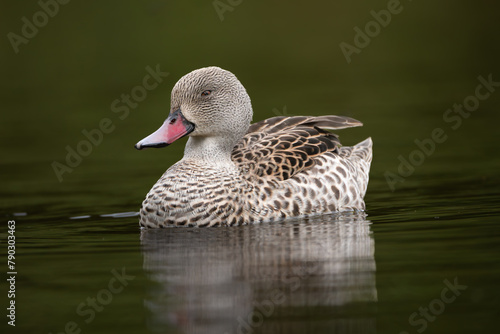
x=234, y=173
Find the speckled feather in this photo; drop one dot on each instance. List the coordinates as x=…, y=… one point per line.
x=282, y=167
x=281, y=147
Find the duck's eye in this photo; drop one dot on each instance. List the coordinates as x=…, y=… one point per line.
x=206, y=93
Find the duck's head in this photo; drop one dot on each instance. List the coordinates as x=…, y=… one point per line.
x=208, y=102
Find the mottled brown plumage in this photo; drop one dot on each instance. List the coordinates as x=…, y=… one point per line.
x=280, y=147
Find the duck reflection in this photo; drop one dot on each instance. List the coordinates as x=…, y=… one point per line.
x=299, y=276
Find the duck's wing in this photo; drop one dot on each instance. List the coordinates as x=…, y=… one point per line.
x=281, y=147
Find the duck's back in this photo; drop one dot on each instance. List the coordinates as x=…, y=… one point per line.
x=299, y=168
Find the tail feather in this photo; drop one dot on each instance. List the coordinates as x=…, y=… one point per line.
x=362, y=150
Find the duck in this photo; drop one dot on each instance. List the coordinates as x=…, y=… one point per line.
x=237, y=173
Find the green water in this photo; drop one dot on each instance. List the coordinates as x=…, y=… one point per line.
x=424, y=258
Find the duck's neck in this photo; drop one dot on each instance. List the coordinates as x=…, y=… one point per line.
x=214, y=151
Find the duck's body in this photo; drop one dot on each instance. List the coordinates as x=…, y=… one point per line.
x=239, y=174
